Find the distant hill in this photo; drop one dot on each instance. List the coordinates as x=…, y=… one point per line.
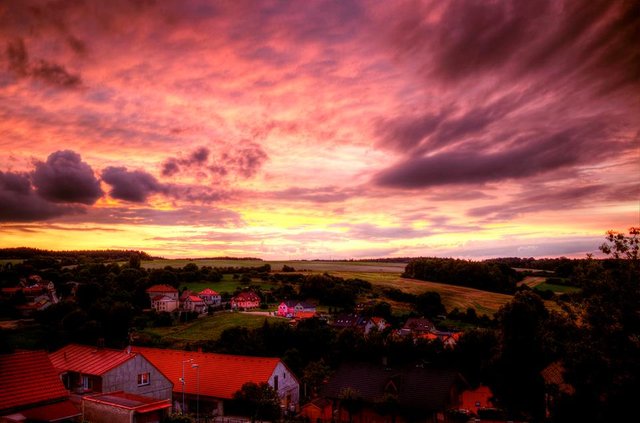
x=26, y=253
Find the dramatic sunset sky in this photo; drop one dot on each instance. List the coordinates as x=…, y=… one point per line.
x=319, y=129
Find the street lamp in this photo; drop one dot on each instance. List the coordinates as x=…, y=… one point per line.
x=182, y=380
x=197, y=367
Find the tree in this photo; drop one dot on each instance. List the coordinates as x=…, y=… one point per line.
x=601, y=361
x=429, y=304
x=620, y=246
x=351, y=401
x=258, y=401
x=521, y=358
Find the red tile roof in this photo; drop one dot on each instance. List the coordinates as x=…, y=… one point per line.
x=221, y=375
x=53, y=412
x=161, y=288
x=208, y=291
x=127, y=401
x=28, y=377
x=195, y=299
x=246, y=296
x=88, y=360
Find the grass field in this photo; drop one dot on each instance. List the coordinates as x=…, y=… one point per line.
x=209, y=328
x=300, y=266
x=560, y=289
x=227, y=284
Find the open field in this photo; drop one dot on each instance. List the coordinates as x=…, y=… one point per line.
x=452, y=296
x=559, y=289
x=300, y=266
x=211, y=327
x=227, y=284
x=381, y=275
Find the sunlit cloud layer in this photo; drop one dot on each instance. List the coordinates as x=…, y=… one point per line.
x=323, y=129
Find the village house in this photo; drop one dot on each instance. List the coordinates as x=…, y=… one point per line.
x=420, y=394
x=87, y=370
x=163, y=298
x=38, y=294
x=30, y=390
x=195, y=304
x=123, y=407
x=416, y=326
x=291, y=308
x=344, y=321
x=448, y=339
x=210, y=297
x=206, y=380
x=375, y=323
x=245, y=300
x=185, y=294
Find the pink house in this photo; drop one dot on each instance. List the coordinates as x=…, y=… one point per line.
x=245, y=300
x=292, y=308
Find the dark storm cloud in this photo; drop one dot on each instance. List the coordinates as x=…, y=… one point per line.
x=135, y=186
x=65, y=178
x=19, y=203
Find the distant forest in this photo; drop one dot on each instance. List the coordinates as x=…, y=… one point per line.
x=72, y=257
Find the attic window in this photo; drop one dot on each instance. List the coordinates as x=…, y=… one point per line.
x=144, y=379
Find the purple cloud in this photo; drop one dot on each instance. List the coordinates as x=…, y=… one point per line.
x=65, y=178
x=135, y=186
x=51, y=73
x=20, y=202
x=196, y=159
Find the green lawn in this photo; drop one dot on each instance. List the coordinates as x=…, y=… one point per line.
x=209, y=328
x=560, y=289
x=227, y=284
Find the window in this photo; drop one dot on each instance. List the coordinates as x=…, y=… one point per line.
x=143, y=379
x=86, y=383
x=275, y=383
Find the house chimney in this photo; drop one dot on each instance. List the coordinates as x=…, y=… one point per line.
x=100, y=343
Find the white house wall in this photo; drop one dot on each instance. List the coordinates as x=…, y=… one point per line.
x=287, y=383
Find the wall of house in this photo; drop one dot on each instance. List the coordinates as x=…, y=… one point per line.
x=288, y=386
x=102, y=413
x=125, y=378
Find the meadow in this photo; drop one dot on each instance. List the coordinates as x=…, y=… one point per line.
x=209, y=328
x=299, y=265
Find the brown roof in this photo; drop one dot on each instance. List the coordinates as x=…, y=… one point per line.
x=416, y=324
x=88, y=360
x=27, y=377
x=423, y=388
